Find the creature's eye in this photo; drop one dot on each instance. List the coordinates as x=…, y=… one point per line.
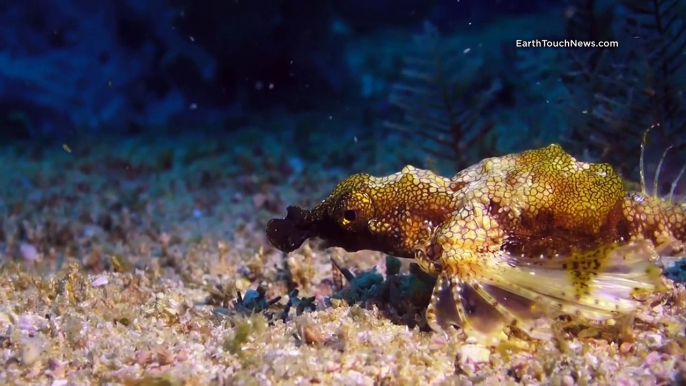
x=353, y=211
x=349, y=215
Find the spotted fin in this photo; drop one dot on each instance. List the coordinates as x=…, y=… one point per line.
x=528, y=293
x=596, y=285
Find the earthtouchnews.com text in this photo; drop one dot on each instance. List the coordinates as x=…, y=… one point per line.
x=567, y=43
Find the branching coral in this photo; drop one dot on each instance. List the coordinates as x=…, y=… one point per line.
x=440, y=102
x=620, y=92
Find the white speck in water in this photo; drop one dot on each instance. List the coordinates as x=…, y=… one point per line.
x=271, y=86
x=330, y=117
x=466, y=50
x=355, y=138
x=192, y=38
x=193, y=106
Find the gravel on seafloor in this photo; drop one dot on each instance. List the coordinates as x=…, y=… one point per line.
x=126, y=266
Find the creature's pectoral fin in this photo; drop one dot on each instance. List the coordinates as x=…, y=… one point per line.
x=596, y=285
x=456, y=303
x=528, y=293
x=520, y=312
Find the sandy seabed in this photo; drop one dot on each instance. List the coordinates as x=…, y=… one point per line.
x=147, y=265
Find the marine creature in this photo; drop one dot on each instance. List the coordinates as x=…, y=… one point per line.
x=514, y=241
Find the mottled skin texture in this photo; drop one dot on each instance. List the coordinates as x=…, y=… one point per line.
x=513, y=241
x=392, y=214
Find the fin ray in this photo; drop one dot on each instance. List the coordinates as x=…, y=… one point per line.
x=597, y=284
x=456, y=303
x=522, y=312
x=528, y=294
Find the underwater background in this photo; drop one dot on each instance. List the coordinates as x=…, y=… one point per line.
x=144, y=145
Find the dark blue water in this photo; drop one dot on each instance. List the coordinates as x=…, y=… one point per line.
x=69, y=69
